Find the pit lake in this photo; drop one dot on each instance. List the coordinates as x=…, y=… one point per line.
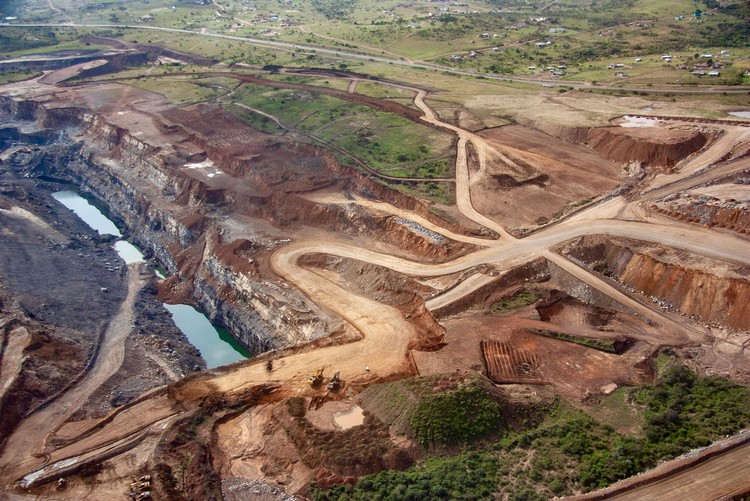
x=216, y=345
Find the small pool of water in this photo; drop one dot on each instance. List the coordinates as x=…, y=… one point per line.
x=216, y=345
x=87, y=212
x=128, y=252
x=349, y=419
x=740, y=114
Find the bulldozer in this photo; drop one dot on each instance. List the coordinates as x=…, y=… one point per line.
x=334, y=382
x=316, y=378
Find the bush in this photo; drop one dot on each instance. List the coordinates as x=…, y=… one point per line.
x=456, y=416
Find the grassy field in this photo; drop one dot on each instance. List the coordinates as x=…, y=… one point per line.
x=389, y=144
x=181, y=90
x=585, y=36
x=523, y=298
x=16, y=76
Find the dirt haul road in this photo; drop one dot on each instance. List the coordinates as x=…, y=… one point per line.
x=22, y=448
x=385, y=334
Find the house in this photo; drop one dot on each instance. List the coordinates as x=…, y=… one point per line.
x=714, y=73
x=638, y=60
x=666, y=57
x=557, y=30
x=543, y=44
x=621, y=74
x=699, y=73
x=707, y=56
x=531, y=67
x=495, y=49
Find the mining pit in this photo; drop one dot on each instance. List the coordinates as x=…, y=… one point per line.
x=311, y=264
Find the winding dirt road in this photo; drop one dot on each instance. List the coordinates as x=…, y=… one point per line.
x=385, y=335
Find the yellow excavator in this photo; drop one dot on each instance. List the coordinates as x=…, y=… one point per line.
x=316, y=378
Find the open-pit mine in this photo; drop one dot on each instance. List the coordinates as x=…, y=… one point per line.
x=564, y=264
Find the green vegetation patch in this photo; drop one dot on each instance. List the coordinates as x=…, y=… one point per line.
x=608, y=345
x=523, y=298
x=388, y=143
x=185, y=90
x=16, y=76
x=456, y=416
x=439, y=410
x=471, y=475
x=556, y=450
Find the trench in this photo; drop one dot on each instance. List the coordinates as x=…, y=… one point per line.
x=216, y=345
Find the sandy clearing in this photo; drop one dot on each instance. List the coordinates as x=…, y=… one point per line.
x=17, y=341
x=49, y=231
x=733, y=135
x=724, y=192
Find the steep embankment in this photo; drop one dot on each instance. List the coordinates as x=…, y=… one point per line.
x=197, y=189
x=648, y=146
x=724, y=203
x=709, y=290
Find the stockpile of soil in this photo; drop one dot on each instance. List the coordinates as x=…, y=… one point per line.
x=648, y=146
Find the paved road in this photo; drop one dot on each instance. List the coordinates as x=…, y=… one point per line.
x=348, y=55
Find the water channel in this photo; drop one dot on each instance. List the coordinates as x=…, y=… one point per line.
x=216, y=345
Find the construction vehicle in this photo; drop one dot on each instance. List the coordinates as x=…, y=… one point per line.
x=316, y=378
x=334, y=382
x=140, y=490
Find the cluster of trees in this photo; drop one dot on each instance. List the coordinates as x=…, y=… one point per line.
x=456, y=416
x=335, y=9
x=567, y=450
x=683, y=412
x=470, y=475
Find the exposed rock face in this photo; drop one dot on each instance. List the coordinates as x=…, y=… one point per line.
x=246, y=305
x=648, y=146
x=724, y=203
x=177, y=181
x=734, y=215
x=671, y=278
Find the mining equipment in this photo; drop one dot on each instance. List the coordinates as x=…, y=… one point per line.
x=316, y=378
x=140, y=490
x=334, y=382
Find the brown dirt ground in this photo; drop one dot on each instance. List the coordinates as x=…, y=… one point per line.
x=573, y=370
x=539, y=175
